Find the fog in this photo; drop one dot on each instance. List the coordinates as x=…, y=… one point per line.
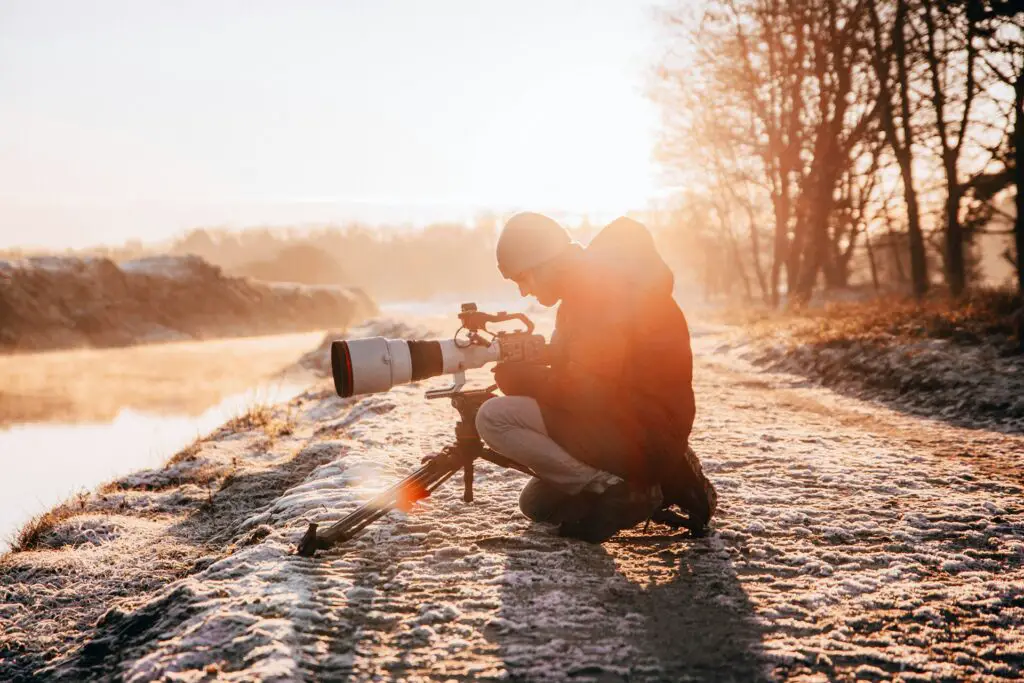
x=71, y=420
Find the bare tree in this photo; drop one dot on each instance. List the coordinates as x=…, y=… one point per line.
x=716, y=133
x=772, y=81
x=1000, y=25
x=777, y=91
x=854, y=212
x=950, y=54
x=894, y=93
x=783, y=101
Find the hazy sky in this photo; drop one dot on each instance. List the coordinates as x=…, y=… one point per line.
x=136, y=118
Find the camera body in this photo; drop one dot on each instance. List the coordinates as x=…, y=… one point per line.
x=376, y=364
x=521, y=347
x=515, y=346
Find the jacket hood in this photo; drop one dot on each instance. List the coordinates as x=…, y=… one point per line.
x=624, y=250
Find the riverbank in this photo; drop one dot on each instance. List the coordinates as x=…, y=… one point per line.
x=852, y=541
x=67, y=302
x=120, y=542
x=956, y=363
x=71, y=420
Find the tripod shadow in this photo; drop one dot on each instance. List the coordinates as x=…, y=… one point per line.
x=639, y=607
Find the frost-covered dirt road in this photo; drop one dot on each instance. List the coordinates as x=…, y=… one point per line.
x=852, y=542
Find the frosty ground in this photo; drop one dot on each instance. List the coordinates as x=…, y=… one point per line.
x=853, y=541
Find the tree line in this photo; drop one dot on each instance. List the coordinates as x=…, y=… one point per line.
x=816, y=135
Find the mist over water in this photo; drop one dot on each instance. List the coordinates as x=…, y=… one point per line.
x=72, y=420
x=147, y=403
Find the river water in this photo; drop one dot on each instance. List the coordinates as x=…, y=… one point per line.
x=71, y=420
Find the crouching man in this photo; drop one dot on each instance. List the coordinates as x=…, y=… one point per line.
x=605, y=425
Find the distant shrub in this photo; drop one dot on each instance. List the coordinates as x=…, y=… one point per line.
x=301, y=263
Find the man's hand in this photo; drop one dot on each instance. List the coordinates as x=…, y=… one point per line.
x=521, y=379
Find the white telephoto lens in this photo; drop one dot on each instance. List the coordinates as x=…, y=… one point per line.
x=376, y=364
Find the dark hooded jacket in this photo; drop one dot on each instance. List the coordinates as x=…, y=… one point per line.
x=619, y=392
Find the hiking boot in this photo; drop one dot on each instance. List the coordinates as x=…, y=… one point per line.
x=686, y=487
x=621, y=506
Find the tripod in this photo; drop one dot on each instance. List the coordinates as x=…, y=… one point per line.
x=436, y=470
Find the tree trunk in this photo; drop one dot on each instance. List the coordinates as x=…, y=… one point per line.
x=735, y=253
x=954, y=234
x=845, y=257
x=819, y=211
x=1018, y=172
x=901, y=149
x=755, y=253
x=901, y=275
x=781, y=245
x=737, y=259
x=776, y=273
x=955, y=272
x=918, y=265
x=794, y=259
x=871, y=261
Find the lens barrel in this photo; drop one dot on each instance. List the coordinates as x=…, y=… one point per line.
x=341, y=368
x=425, y=359
x=375, y=364
x=372, y=365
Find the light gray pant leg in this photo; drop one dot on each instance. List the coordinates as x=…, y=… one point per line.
x=514, y=427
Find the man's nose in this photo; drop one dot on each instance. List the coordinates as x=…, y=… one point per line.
x=523, y=290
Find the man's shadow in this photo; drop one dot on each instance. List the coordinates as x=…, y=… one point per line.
x=660, y=606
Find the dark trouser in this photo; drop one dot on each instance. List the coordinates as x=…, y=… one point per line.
x=542, y=502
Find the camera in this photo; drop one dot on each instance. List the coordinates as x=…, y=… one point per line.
x=376, y=364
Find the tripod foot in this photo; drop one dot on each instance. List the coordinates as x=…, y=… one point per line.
x=308, y=545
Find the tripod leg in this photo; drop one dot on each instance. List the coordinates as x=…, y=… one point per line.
x=379, y=504
x=467, y=482
x=402, y=495
x=414, y=487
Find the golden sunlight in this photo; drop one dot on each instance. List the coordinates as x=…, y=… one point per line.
x=544, y=340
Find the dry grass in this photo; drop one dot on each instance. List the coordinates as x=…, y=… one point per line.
x=986, y=316
x=186, y=454
x=256, y=416
x=201, y=476
x=35, y=530
x=260, y=416
x=281, y=427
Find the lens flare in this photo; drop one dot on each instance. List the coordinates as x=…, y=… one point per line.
x=409, y=494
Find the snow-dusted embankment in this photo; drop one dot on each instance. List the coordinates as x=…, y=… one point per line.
x=977, y=385
x=65, y=302
x=853, y=541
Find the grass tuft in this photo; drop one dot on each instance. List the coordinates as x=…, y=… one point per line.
x=255, y=417
x=262, y=417
x=186, y=454
x=31, y=536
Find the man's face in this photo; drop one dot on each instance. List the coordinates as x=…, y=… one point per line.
x=540, y=283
